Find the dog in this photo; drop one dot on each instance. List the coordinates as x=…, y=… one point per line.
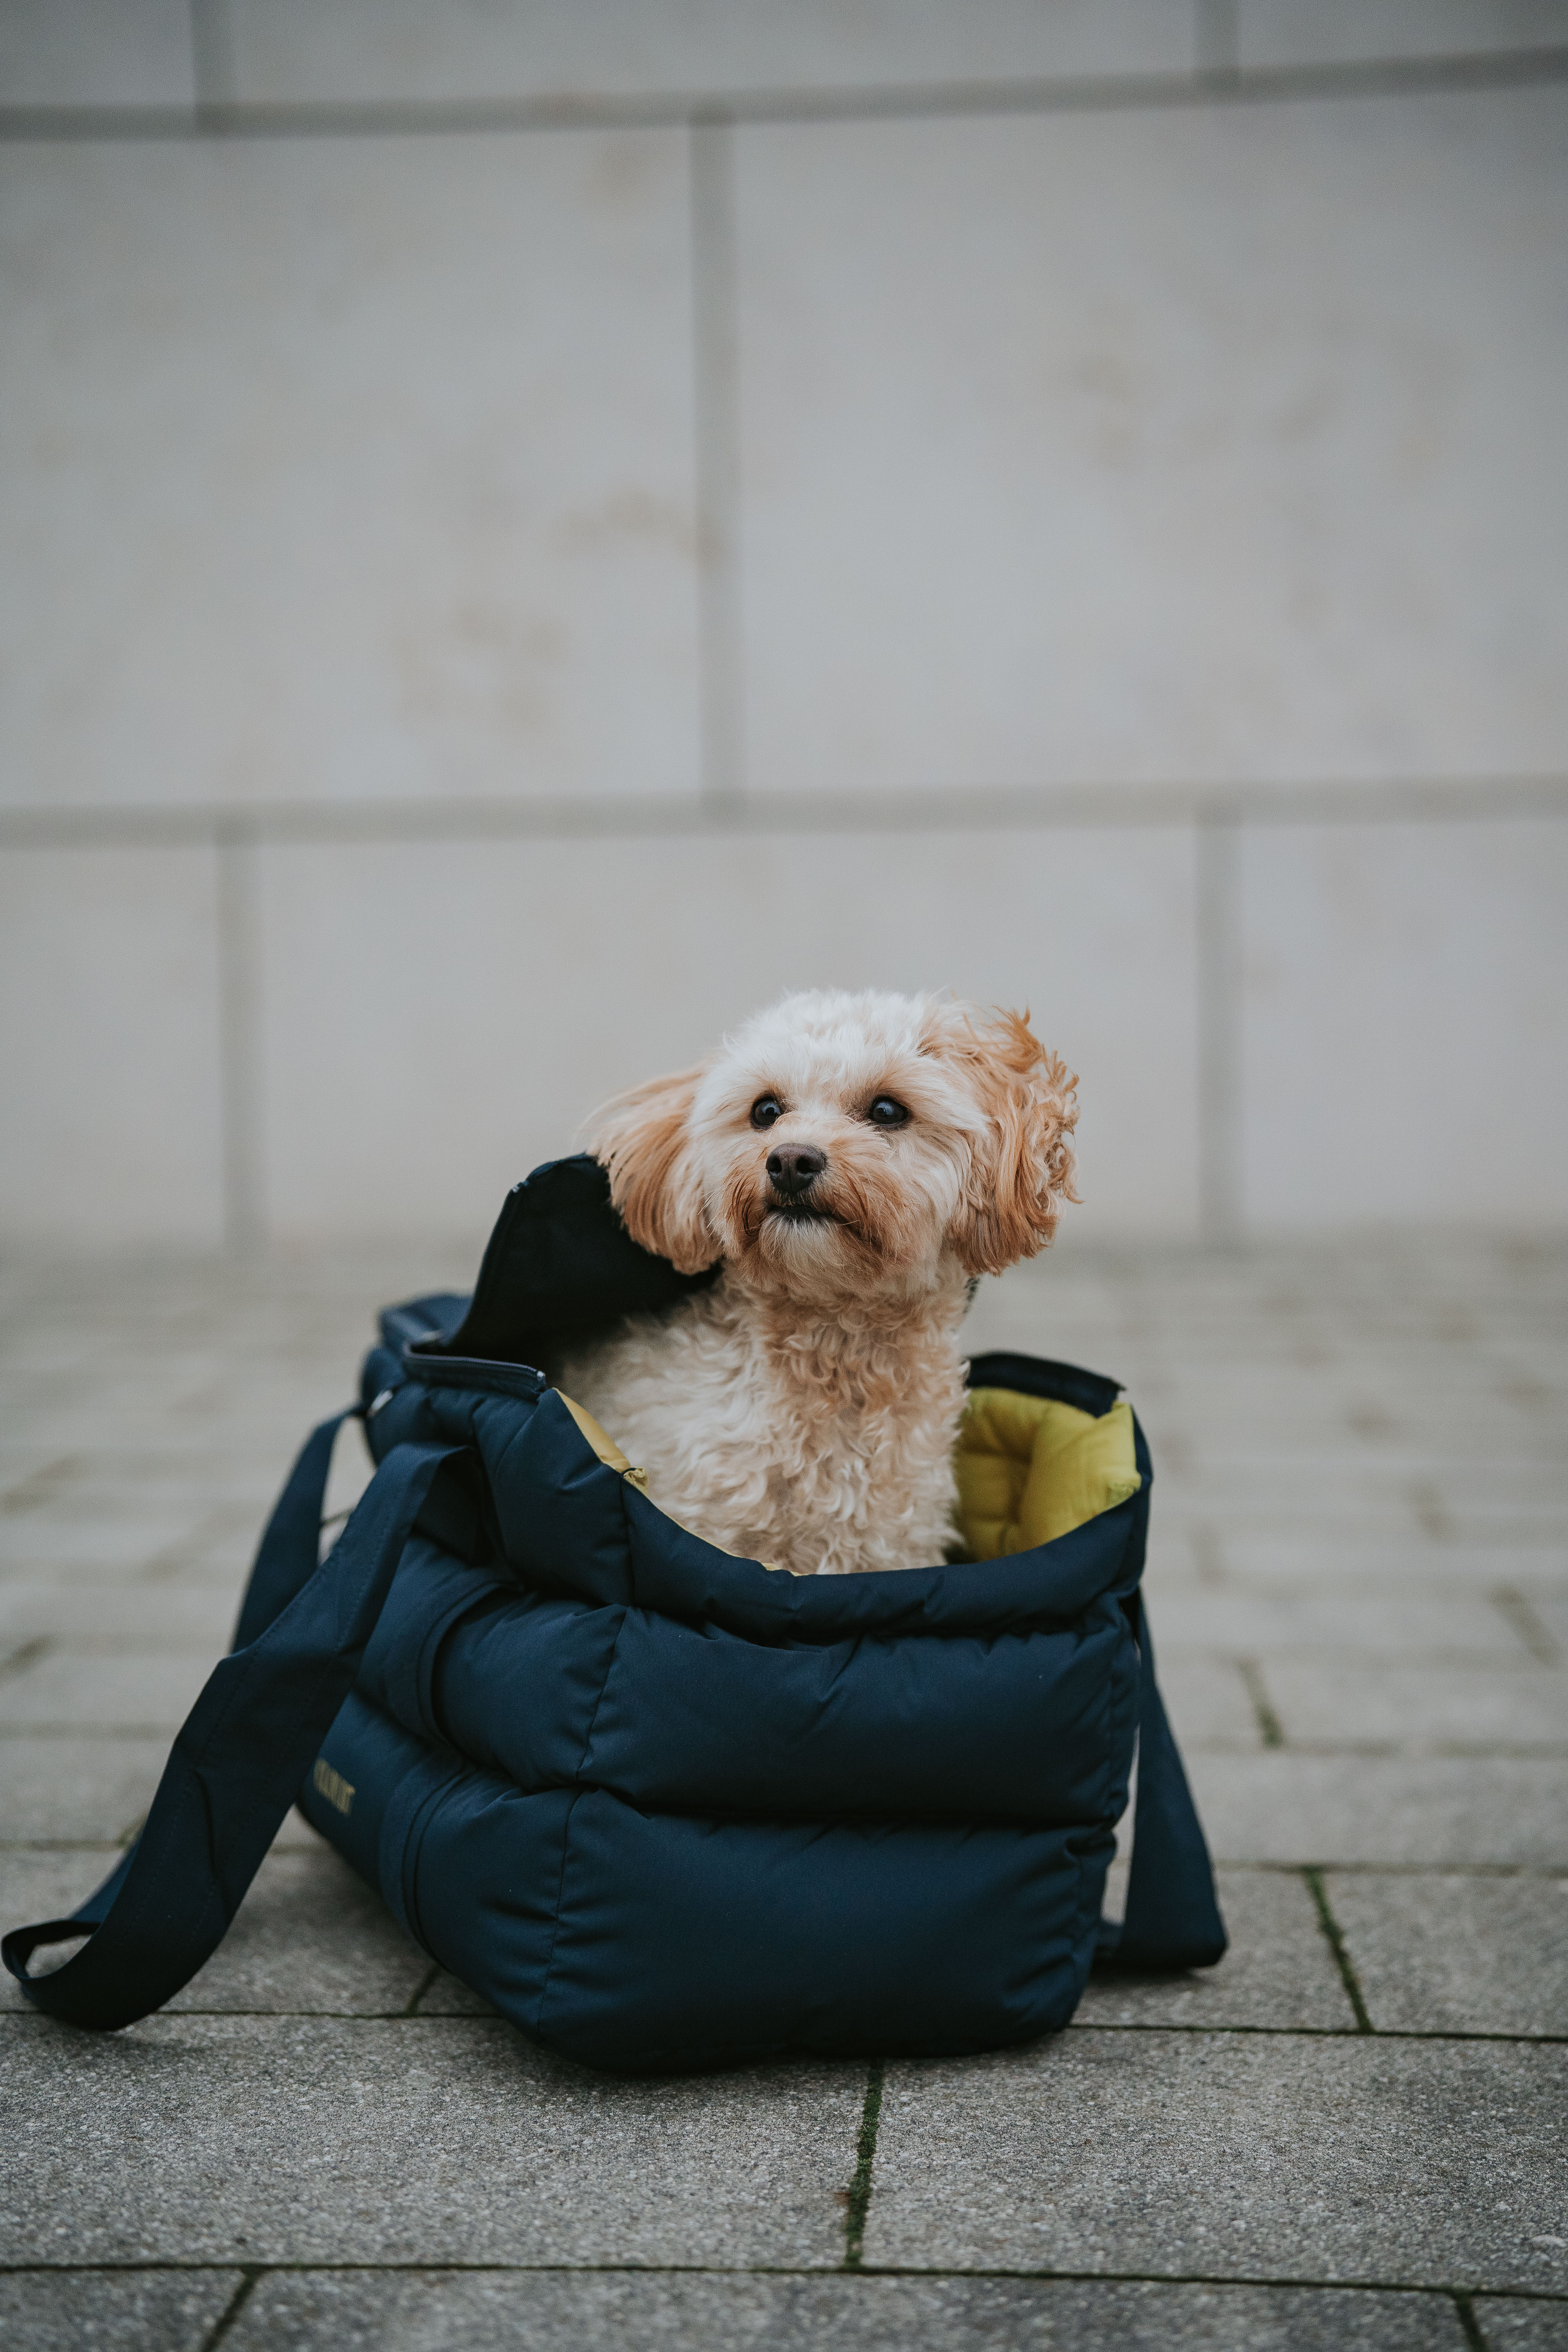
x=854, y=1162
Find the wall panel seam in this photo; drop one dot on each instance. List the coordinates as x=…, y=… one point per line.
x=1094, y=806
x=240, y=949
x=1109, y=93
x=716, y=423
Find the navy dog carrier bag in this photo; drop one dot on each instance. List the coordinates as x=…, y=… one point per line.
x=661, y=1806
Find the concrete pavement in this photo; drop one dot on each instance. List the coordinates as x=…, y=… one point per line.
x=1351, y=2135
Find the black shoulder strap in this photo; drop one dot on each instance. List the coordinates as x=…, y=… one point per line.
x=1173, y=1919
x=243, y=1752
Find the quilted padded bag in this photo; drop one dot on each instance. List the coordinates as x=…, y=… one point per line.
x=661, y=1806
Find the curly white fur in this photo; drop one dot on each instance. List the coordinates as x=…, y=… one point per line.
x=803, y=1409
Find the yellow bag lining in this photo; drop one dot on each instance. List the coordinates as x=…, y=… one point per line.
x=1028, y=1468
x=1031, y=1468
x=603, y=1445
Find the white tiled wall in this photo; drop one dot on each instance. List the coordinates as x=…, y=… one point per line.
x=1161, y=447
x=347, y=468
x=110, y=1071
x=402, y=49
x=1405, y=994
x=441, y=1018
x=400, y=471
x=1323, y=32
x=96, y=53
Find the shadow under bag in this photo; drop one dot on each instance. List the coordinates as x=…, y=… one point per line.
x=661, y=1806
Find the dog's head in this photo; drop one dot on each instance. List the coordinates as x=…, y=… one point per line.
x=842, y=1142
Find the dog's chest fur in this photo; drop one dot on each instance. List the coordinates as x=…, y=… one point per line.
x=822, y=1445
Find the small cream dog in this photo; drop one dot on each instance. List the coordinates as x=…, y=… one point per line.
x=854, y=1161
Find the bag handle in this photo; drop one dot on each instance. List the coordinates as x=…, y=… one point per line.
x=244, y=1750
x=1173, y=1919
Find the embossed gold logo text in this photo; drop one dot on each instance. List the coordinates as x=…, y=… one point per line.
x=332, y=1786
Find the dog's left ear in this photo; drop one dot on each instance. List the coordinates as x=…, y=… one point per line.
x=1022, y=1167
x=642, y=1138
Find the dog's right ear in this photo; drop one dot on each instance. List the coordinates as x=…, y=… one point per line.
x=642, y=1140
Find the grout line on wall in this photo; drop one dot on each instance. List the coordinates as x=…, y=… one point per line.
x=239, y=1037
x=1104, y=93
x=715, y=409
x=1269, y=1729
x=1529, y=1626
x=27, y=1654
x=1217, y=854
x=1217, y=46
x=212, y=59
x=634, y=816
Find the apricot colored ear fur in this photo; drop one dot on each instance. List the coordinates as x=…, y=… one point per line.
x=1022, y=1169
x=640, y=1138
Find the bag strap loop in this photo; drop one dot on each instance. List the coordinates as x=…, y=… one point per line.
x=244, y=1750
x=1173, y=1919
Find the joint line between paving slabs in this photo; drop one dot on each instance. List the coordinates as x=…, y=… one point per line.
x=858, y=2201
x=1466, y=2309
x=1334, y=1935
x=301, y=2268
x=298, y=2267
x=1452, y=2036
x=1270, y=1728
x=426, y=1981
x=234, y=2306
x=1530, y=1628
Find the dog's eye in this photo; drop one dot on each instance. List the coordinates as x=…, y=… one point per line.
x=885, y=1112
x=765, y=1110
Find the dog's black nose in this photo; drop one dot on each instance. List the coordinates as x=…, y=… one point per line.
x=794, y=1168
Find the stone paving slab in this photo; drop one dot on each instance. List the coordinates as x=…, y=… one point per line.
x=310, y=1936
x=128, y=1617
x=1358, y=1452
x=1256, y=2155
x=1519, y=1705
x=88, y=1479
x=46, y=1883
x=431, y=2312
x=98, y=2310
x=448, y=1996
x=223, y=2139
x=1279, y=1971
x=1520, y=2327
x=66, y=1690
x=63, y=1787
x=1287, y=1807
x=1445, y=1954
x=1302, y=1563
x=1207, y=1700
x=1454, y=1627
x=1457, y=1509
x=125, y=1541
x=1553, y=1613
